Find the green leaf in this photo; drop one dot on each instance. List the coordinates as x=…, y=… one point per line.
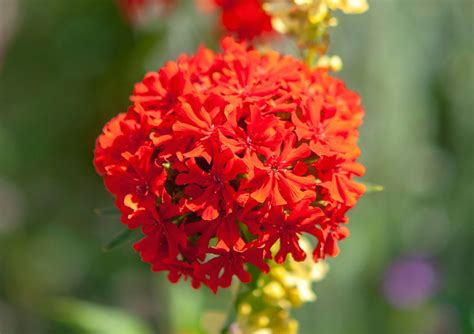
x=372, y=187
x=120, y=240
x=89, y=318
x=244, y=229
x=108, y=211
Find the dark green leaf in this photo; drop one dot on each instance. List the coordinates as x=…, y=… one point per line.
x=372, y=187
x=108, y=211
x=119, y=240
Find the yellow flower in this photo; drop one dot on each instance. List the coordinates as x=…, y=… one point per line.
x=349, y=6
x=266, y=309
x=334, y=63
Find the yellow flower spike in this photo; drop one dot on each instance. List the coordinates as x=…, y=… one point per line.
x=335, y=64
x=295, y=298
x=261, y=282
x=334, y=4
x=263, y=321
x=301, y=293
x=303, y=270
x=257, y=293
x=289, y=326
x=307, y=268
x=267, y=308
x=319, y=271
x=283, y=315
x=277, y=7
x=278, y=273
x=293, y=326
x=309, y=21
x=245, y=309
x=279, y=25
x=323, y=62
x=349, y=6
x=318, y=14
x=274, y=290
x=260, y=331
x=333, y=22
x=303, y=2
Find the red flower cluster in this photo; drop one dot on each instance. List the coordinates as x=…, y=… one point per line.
x=223, y=157
x=245, y=18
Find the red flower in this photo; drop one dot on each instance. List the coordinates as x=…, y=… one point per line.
x=224, y=227
x=245, y=18
x=222, y=156
x=277, y=180
x=329, y=244
x=210, y=190
x=261, y=134
x=160, y=91
x=197, y=123
x=163, y=241
x=137, y=185
x=335, y=174
x=121, y=134
x=288, y=228
x=230, y=261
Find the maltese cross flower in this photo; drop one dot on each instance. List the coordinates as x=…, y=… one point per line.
x=225, y=160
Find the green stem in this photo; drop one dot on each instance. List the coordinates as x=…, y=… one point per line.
x=231, y=313
x=241, y=291
x=310, y=57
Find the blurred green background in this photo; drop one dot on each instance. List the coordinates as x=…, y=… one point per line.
x=66, y=67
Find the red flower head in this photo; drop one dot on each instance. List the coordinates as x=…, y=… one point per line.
x=244, y=18
x=224, y=157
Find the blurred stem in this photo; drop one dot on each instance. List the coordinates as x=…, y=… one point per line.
x=311, y=55
x=241, y=291
x=161, y=293
x=231, y=313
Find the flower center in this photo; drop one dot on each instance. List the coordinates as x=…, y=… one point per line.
x=217, y=179
x=319, y=132
x=142, y=189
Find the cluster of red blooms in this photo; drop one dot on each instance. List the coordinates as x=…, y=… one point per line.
x=223, y=157
x=245, y=18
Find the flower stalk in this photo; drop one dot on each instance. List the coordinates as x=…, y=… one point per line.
x=308, y=22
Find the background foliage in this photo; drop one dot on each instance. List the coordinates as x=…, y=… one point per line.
x=69, y=66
